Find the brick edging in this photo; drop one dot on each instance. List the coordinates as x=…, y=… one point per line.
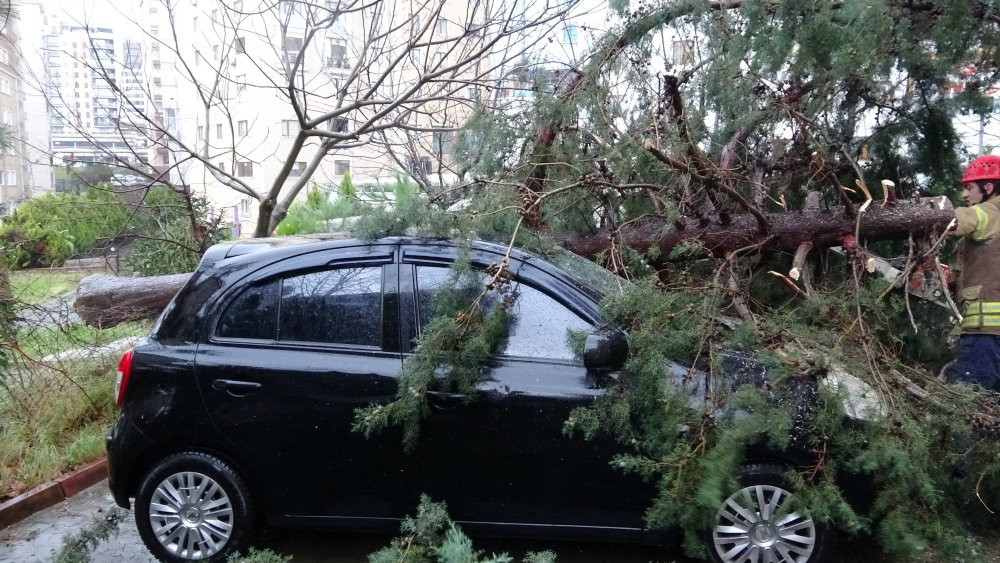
x=52, y=492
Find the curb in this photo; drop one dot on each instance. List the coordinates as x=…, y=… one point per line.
x=52, y=492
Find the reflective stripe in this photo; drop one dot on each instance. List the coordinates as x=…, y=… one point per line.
x=976, y=321
x=980, y=314
x=982, y=224
x=975, y=307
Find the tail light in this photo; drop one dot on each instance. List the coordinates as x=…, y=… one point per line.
x=121, y=378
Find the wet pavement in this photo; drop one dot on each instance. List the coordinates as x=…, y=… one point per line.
x=39, y=537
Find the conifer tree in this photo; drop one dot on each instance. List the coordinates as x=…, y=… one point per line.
x=712, y=152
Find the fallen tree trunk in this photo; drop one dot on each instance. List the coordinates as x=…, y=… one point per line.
x=788, y=230
x=105, y=301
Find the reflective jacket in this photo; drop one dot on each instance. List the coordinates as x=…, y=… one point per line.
x=978, y=282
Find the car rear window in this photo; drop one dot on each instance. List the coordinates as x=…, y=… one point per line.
x=342, y=306
x=253, y=314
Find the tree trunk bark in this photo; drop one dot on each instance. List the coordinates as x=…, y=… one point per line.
x=105, y=301
x=823, y=228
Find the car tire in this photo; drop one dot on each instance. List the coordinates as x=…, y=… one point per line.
x=193, y=507
x=750, y=525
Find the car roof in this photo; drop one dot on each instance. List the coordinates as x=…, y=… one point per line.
x=298, y=243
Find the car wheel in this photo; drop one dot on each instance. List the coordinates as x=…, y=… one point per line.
x=193, y=507
x=755, y=525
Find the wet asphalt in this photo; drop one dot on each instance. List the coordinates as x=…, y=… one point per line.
x=39, y=537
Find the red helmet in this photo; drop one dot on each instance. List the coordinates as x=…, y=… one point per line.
x=983, y=168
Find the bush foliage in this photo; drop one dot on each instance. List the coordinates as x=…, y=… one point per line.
x=46, y=231
x=172, y=235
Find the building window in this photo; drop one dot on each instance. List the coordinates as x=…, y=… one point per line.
x=293, y=45
x=194, y=23
x=241, y=83
x=341, y=167
x=441, y=142
x=11, y=178
x=215, y=15
x=4, y=56
x=570, y=34
x=442, y=27
x=683, y=52
x=244, y=169
x=5, y=86
x=201, y=132
x=289, y=127
x=298, y=170
x=241, y=45
x=439, y=58
x=221, y=166
x=197, y=58
x=6, y=116
x=338, y=54
x=218, y=130
x=426, y=165
x=245, y=206
x=473, y=93
x=340, y=124
x=215, y=52
x=242, y=127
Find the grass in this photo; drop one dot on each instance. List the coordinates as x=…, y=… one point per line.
x=54, y=415
x=39, y=342
x=33, y=287
x=52, y=425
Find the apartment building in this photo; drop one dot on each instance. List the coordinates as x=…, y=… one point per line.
x=244, y=122
x=12, y=179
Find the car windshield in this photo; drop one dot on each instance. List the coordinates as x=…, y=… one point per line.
x=588, y=273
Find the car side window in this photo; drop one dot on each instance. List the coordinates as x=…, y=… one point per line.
x=253, y=314
x=341, y=306
x=540, y=325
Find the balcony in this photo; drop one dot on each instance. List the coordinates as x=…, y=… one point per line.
x=338, y=63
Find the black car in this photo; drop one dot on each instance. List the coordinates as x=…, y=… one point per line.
x=237, y=410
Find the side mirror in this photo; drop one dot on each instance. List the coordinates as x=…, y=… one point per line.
x=605, y=349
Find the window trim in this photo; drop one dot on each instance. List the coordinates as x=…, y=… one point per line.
x=537, y=279
x=383, y=256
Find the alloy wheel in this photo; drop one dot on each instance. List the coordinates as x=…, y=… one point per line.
x=751, y=527
x=191, y=515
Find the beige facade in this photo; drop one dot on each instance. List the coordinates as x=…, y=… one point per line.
x=12, y=177
x=243, y=53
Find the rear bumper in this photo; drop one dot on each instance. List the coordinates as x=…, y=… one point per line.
x=118, y=458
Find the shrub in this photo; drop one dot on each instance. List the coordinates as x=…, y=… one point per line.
x=314, y=214
x=45, y=231
x=166, y=243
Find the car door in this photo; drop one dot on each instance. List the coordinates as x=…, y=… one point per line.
x=502, y=457
x=295, y=350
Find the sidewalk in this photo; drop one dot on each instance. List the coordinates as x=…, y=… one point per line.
x=38, y=537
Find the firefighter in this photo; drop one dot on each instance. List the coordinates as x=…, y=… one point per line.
x=977, y=287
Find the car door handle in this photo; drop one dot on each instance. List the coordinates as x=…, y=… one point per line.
x=234, y=387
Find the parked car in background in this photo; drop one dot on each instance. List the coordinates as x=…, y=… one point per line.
x=236, y=411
